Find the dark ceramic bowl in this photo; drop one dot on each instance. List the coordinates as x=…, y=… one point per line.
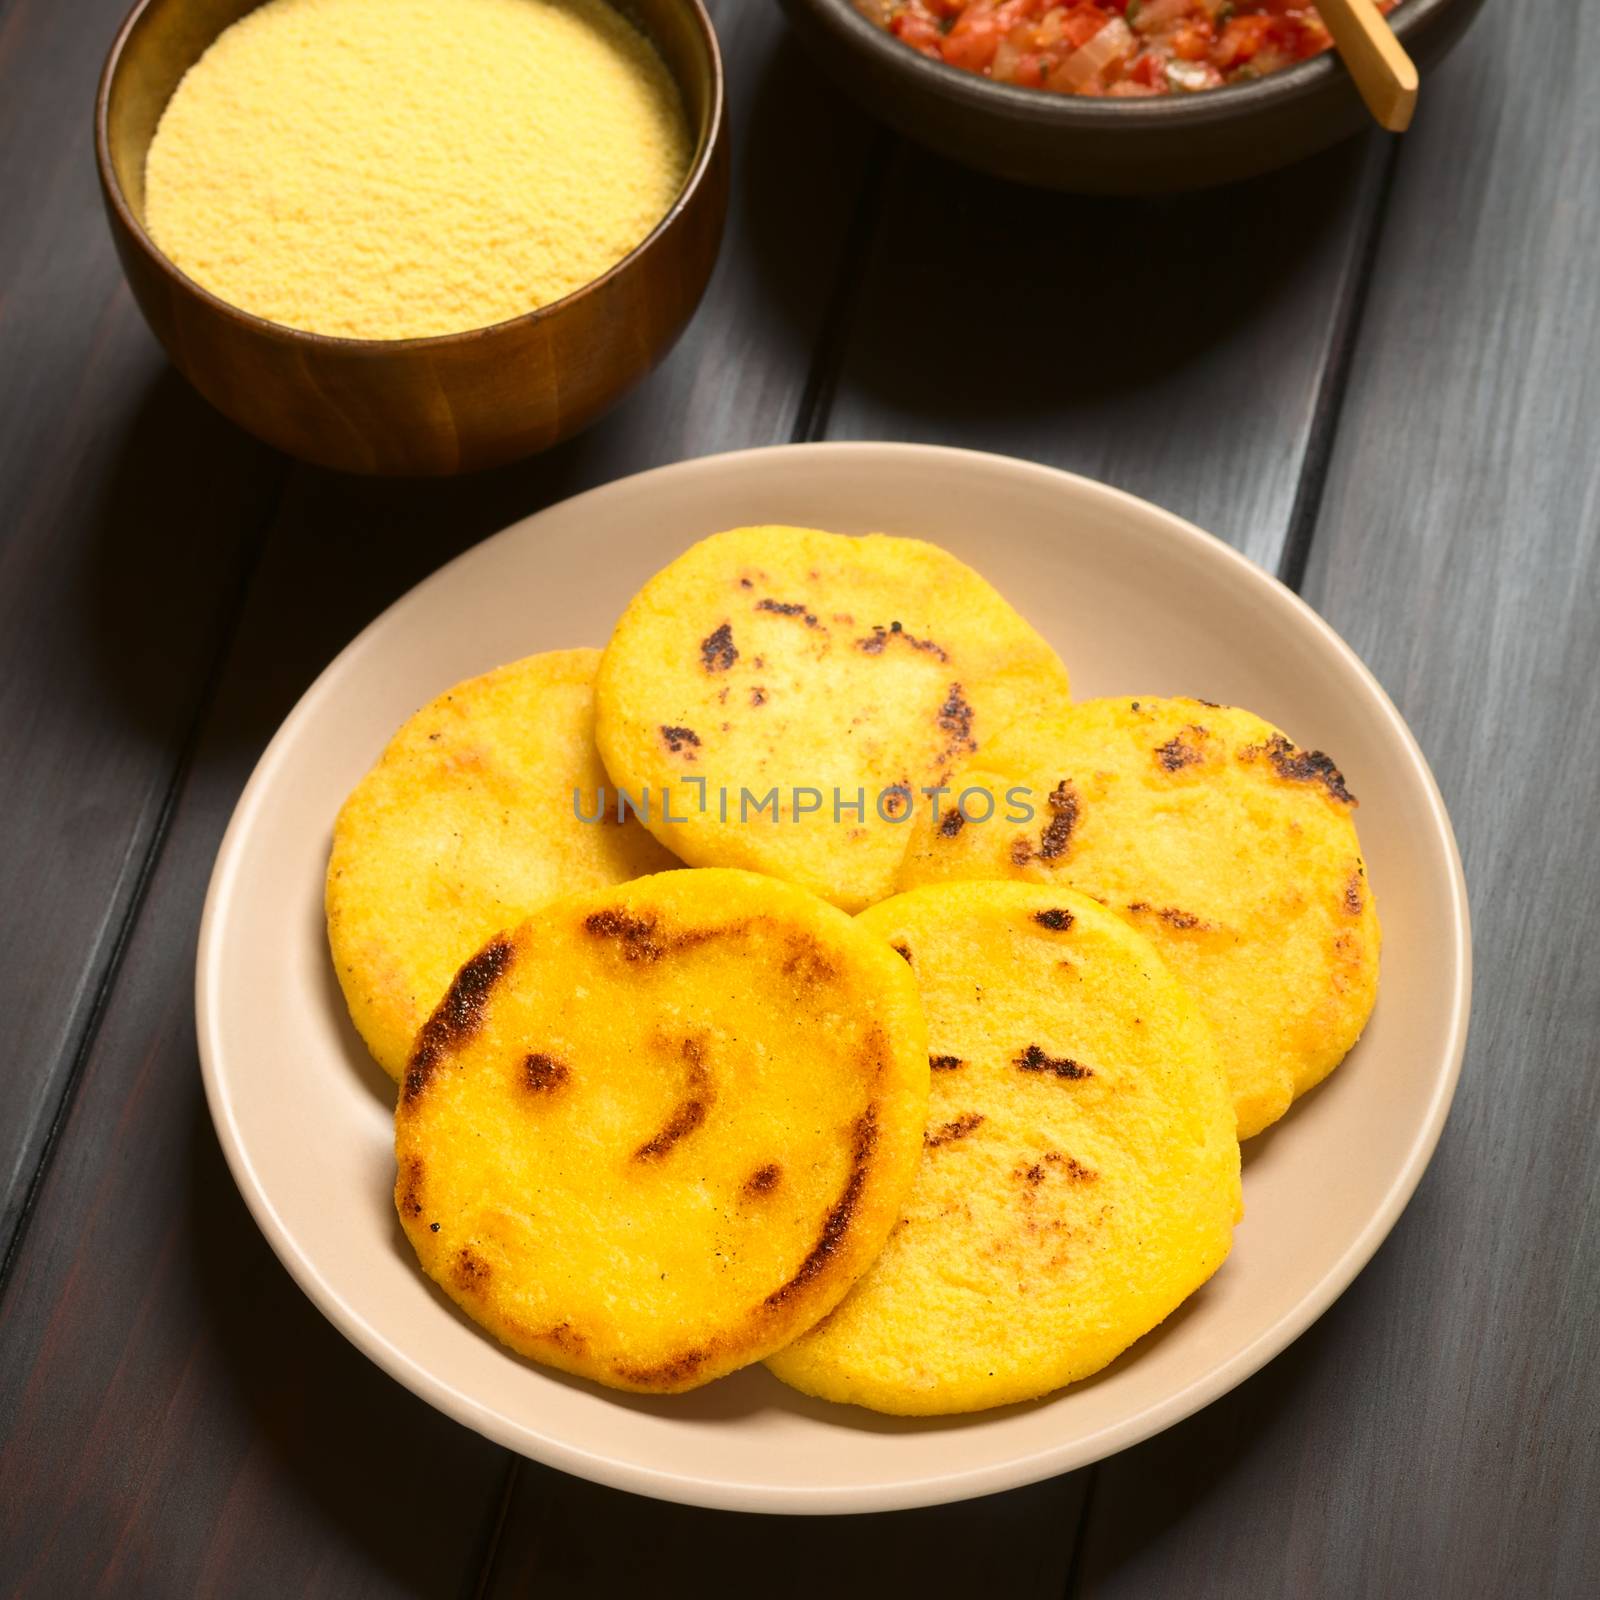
x=1110, y=146
x=415, y=406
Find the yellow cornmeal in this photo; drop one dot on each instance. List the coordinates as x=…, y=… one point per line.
x=389, y=169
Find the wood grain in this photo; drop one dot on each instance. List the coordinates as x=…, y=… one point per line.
x=1175, y=347
x=1439, y=1432
x=181, y=1420
x=129, y=514
x=570, y=1540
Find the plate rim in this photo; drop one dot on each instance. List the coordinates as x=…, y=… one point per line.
x=905, y=1493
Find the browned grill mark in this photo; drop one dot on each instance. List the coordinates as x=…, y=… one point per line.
x=471, y=1271
x=1302, y=766
x=675, y=1370
x=758, y=696
x=543, y=1074
x=1354, y=900
x=836, y=1225
x=1184, y=921
x=680, y=738
x=1074, y=1170
x=946, y=1063
x=788, y=608
x=903, y=950
x=955, y=718
x=690, y=1112
x=1056, y=835
x=1211, y=703
x=1057, y=920
x=1034, y=1059
x=685, y=1118
x=408, y=1188
x=746, y=583
x=641, y=938
x=458, y=1016
x=959, y=1128
x=1178, y=752
x=717, y=649
x=807, y=962
x=764, y=1179
x=881, y=637
x=636, y=935
x=565, y=1337
x=952, y=823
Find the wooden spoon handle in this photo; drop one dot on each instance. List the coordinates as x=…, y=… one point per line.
x=1384, y=73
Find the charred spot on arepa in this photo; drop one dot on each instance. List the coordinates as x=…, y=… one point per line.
x=543, y=1074
x=881, y=637
x=642, y=939
x=408, y=1188
x=955, y=720
x=957, y=1128
x=789, y=608
x=836, y=1225
x=690, y=1112
x=469, y=1270
x=636, y=936
x=459, y=1015
x=952, y=823
x=1182, y=749
x=1302, y=766
x=717, y=650
x=945, y=1063
x=675, y=1370
x=1055, y=918
x=678, y=738
x=565, y=1337
x=807, y=962
x=686, y=1116
x=1054, y=837
x=758, y=696
x=903, y=950
x=764, y=1179
x=1354, y=893
x=1182, y=921
x=1073, y=1170
x=1036, y=1059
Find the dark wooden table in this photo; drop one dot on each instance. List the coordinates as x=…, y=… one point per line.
x=1378, y=375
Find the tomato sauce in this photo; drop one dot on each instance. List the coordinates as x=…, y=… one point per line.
x=1115, y=48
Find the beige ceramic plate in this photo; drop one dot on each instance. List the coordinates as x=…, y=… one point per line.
x=1136, y=601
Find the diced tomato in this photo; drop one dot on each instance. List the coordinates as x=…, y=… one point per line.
x=1240, y=39
x=1149, y=69
x=1083, y=22
x=974, y=38
x=1191, y=41
x=920, y=32
x=1062, y=45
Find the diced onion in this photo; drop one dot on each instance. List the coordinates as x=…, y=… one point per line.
x=1114, y=42
x=1192, y=75
x=1155, y=14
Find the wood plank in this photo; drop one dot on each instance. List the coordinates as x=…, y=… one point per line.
x=1176, y=347
x=572, y=1539
x=1439, y=1432
x=182, y=1420
x=128, y=514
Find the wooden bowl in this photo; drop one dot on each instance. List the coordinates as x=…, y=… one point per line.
x=415, y=406
x=1110, y=146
